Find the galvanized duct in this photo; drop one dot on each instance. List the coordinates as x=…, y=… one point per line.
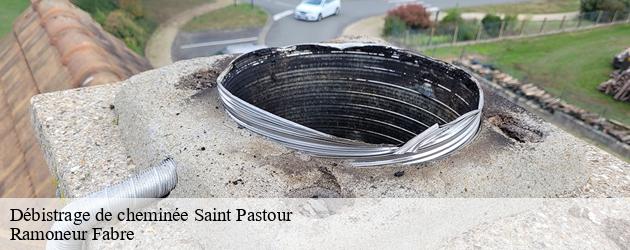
x=155, y=182
x=370, y=104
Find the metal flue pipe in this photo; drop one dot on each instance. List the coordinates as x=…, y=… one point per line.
x=370, y=104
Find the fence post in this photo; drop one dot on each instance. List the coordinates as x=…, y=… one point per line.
x=579, y=21
x=542, y=26
x=479, y=32
x=501, y=29
x=564, y=18
x=435, y=23
x=455, y=33
x=430, y=42
x=520, y=32
x=599, y=16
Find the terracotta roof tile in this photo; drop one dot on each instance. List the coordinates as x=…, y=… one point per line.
x=54, y=46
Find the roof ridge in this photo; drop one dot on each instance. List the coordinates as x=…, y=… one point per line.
x=70, y=32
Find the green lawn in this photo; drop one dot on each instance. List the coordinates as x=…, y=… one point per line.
x=569, y=65
x=529, y=7
x=231, y=17
x=9, y=10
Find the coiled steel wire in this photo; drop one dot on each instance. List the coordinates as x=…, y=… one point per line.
x=370, y=104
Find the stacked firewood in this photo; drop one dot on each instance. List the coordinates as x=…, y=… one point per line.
x=546, y=100
x=618, y=85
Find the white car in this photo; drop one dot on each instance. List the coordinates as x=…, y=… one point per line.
x=316, y=10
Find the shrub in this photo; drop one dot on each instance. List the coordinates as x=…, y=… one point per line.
x=413, y=15
x=510, y=21
x=394, y=26
x=99, y=16
x=92, y=6
x=453, y=16
x=603, y=5
x=465, y=30
x=491, y=24
x=133, y=7
x=121, y=24
x=122, y=18
x=591, y=9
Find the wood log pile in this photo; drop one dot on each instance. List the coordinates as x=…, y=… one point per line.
x=546, y=100
x=618, y=85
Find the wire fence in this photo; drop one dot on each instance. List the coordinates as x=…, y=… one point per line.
x=475, y=31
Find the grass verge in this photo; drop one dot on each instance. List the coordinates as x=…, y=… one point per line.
x=229, y=18
x=568, y=65
x=8, y=12
x=529, y=7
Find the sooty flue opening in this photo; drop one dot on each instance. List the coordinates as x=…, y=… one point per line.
x=374, y=94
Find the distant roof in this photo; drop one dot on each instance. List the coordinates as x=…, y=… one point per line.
x=54, y=46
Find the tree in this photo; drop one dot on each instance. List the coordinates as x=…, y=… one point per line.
x=415, y=16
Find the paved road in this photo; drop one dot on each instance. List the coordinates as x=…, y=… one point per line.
x=160, y=44
x=208, y=43
x=287, y=31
